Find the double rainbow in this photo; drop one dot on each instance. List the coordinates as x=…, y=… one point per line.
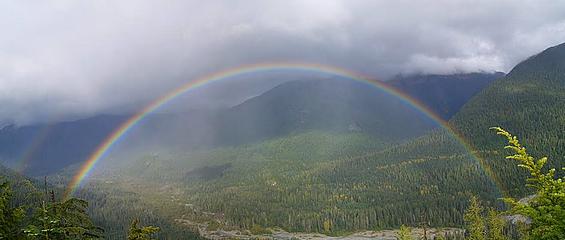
x=121, y=131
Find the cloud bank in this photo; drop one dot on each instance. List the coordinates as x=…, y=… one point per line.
x=69, y=58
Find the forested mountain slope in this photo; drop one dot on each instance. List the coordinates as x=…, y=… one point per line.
x=295, y=106
x=44, y=148
x=428, y=179
x=299, y=106
x=529, y=101
x=329, y=105
x=444, y=94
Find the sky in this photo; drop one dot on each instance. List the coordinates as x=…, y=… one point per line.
x=66, y=59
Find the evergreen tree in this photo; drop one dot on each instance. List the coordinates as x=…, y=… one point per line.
x=63, y=220
x=439, y=237
x=11, y=218
x=404, y=233
x=546, y=209
x=495, y=226
x=474, y=220
x=141, y=233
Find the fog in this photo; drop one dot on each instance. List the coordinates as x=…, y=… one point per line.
x=71, y=59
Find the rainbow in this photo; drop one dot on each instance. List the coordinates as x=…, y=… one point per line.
x=120, y=131
x=35, y=145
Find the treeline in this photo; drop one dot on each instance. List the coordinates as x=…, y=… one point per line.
x=300, y=186
x=44, y=218
x=113, y=210
x=429, y=179
x=529, y=101
x=28, y=212
x=380, y=190
x=540, y=216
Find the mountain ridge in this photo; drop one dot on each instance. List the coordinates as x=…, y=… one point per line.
x=69, y=142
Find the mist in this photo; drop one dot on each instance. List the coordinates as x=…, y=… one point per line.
x=62, y=60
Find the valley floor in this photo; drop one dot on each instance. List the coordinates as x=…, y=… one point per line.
x=279, y=234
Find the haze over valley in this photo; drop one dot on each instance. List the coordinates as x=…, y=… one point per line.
x=282, y=120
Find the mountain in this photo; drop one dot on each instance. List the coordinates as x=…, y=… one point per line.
x=528, y=102
x=42, y=149
x=339, y=181
x=330, y=105
x=291, y=107
x=431, y=177
x=444, y=94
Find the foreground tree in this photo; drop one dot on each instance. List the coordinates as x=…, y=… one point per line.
x=404, y=233
x=474, y=220
x=481, y=226
x=546, y=209
x=495, y=223
x=50, y=220
x=63, y=220
x=141, y=233
x=11, y=218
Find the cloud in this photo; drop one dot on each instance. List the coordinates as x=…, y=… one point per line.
x=65, y=58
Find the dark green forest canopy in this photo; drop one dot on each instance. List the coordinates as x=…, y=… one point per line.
x=303, y=182
x=344, y=181
x=530, y=101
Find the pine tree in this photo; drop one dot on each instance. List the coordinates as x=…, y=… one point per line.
x=474, y=220
x=63, y=220
x=439, y=237
x=141, y=233
x=546, y=209
x=495, y=226
x=11, y=218
x=404, y=233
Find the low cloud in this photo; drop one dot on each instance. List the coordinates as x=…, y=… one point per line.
x=65, y=58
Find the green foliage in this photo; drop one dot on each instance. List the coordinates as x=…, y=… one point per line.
x=529, y=99
x=481, y=226
x=547, y=207
x=24, y=215
x=113, y=209
x=327, y=226
x=404, y=233
x=495, y=224
x=11, y=218
x=299, y=182
x=141, y=233
x=439, y=237
x=474, y=220
x=312, y=182
x=257, y=229
x=213, y=225
x=63, y=220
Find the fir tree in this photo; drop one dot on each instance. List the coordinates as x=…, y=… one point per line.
x=63, y=220
x=474, y=220
x=546, y=209
x=141, y=233
x=495, y=224
x=11, y=218
x=404, y=233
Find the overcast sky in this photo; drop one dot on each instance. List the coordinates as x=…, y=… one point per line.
x=78, y=58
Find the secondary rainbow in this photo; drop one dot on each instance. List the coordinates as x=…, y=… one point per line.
x=120, y=131
x=34, y=146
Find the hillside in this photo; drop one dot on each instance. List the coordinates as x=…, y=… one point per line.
x=428, y=179
x=444, y=94
x=46, y=148
x=530, y=102
x=292, y=107
x=43, y=149
x=329, y=105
